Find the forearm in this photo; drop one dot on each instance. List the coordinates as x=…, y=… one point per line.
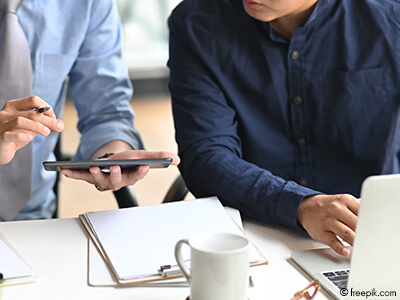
x=111, y=147
x=101, y=134
x=217, y=171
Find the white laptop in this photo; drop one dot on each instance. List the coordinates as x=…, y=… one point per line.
x=375, y=260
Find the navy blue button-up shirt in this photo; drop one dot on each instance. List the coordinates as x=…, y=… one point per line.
x=263, y=121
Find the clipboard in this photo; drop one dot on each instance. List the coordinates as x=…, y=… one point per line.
x=99, y=274
x=137, y=244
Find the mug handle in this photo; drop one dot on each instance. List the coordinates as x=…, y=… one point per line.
x=179, y=259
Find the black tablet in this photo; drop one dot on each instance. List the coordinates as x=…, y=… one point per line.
x=125, y=164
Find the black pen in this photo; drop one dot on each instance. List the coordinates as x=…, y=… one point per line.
x=42, y=109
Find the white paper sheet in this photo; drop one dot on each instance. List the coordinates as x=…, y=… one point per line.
x=14, y=268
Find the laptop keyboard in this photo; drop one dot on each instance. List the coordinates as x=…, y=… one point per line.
x=338, y=278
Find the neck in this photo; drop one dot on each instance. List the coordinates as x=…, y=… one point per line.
x=287, y=24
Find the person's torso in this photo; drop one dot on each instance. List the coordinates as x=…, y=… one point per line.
x=322, y=108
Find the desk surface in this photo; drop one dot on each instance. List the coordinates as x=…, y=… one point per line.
x=57, y=251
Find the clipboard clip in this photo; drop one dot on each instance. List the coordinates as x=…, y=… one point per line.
x=171, y=270
x=174, y=270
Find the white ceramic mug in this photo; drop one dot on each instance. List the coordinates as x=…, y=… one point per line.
x=219, y=266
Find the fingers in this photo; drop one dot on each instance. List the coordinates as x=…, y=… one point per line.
x=106, y=181
x=340, y=214
x=330, y=219
x=27, y=104
x=11, y=142
x=35, y=126
x=346, y=226
x=332, y=241
x=19, y=125
x=143, y=154
x=51, y=123
x=18, y=136
x=17, y=113
x=333, y=235
x=113, y=180
x=162, y=154
x=116, y=179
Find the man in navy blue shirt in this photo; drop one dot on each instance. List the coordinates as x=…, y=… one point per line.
x=283, y=107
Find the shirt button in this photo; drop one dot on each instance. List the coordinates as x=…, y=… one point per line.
x=301, y=141
x=295, y=55
x=303, y=182
x=297, y=100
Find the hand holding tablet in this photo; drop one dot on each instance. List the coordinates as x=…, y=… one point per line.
x=114, y=171
x=104, y=165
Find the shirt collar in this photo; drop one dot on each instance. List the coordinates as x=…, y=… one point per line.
x=320, y=11
x=321, y=8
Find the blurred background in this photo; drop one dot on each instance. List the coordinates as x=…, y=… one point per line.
x=146, y=51
x=146, y=36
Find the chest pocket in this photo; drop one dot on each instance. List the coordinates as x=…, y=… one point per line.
x=360, y=111
x=358, y=89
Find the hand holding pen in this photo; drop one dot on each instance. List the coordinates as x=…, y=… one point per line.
x=42, y=109
x=21, y=120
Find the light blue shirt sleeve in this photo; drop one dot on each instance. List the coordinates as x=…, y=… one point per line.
x=100, y=86
x=76, y=45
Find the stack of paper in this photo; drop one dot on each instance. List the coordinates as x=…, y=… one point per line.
x=12, y=267
x=137, y=242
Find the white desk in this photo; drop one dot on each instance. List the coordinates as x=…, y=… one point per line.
x=57, y=251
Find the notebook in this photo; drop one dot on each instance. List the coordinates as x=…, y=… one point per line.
x=373, y=269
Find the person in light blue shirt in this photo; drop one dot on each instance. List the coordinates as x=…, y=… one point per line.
x=76, y=44
x=283, y=107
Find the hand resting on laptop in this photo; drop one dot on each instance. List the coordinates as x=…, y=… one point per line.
x=327, y=217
